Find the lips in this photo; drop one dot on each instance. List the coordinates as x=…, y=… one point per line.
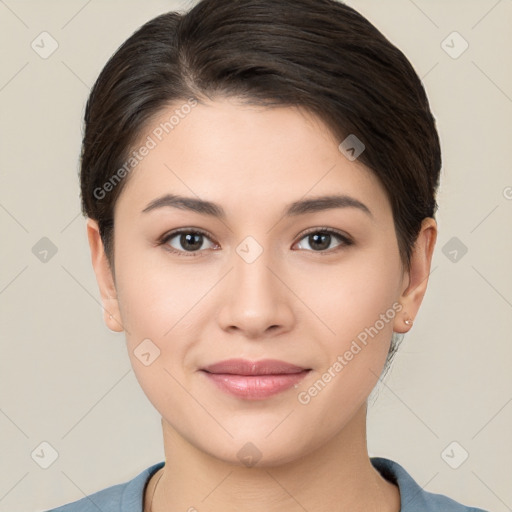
x=254, y=380
x=245, y=367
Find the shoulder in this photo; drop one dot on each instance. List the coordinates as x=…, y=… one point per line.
x=125, y=497
x=413, y=497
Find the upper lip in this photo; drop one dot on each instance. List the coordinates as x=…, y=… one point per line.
x=246, y=367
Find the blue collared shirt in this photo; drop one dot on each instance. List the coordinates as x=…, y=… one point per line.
x=129, y=496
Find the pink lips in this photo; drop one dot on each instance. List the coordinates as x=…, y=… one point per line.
x=254, y=380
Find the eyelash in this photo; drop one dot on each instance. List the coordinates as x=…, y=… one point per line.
x=346, y=241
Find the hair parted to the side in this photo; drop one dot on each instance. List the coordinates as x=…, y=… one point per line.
x=320, y=55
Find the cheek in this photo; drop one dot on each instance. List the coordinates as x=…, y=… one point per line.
x=163, y=302
x=154, y=292
x=362, y=306
x=357, y=306
x=361, y=313
x=351, y=296
x=158, y=313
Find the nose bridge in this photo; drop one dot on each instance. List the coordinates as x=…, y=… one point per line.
x=255, y=298
x=253, y=280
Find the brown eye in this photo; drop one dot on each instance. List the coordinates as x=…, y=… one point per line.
x=321, y=239
x=185, y=241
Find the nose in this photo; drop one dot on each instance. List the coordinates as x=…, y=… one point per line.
x=256, y=300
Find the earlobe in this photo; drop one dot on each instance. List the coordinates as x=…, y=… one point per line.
x=414, y=291
x=104, y=278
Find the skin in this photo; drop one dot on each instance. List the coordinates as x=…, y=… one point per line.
x=292, y=303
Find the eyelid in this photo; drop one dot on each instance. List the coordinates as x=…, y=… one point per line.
x=173, y=232
x=325, y=229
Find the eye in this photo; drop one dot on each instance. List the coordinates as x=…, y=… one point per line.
x=320, y=239
x=185, y=242
x=190, y=242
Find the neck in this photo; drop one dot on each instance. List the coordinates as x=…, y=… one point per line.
x=336, y=476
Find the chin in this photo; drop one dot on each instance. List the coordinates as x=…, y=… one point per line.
x=256, y=450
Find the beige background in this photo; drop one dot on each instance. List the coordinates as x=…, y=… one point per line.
x=66, y=380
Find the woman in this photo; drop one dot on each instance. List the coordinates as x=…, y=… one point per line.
x=259, y=178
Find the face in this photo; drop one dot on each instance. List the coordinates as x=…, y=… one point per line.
x=316, y=285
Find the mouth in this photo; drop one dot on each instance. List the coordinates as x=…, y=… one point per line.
x=245, y=367
x=254, y=380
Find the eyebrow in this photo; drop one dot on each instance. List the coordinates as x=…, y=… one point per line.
x=300, y=207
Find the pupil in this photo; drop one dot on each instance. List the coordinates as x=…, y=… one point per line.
x=323, y=239
x=188, y=240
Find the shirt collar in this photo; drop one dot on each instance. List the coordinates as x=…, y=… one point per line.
x=411, y=494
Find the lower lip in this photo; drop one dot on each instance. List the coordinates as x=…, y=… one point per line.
x=255, y=387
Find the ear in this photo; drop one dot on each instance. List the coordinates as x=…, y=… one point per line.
x=104, y=277
x=414, y=290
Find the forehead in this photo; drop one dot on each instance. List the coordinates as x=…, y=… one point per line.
x=243, y=156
